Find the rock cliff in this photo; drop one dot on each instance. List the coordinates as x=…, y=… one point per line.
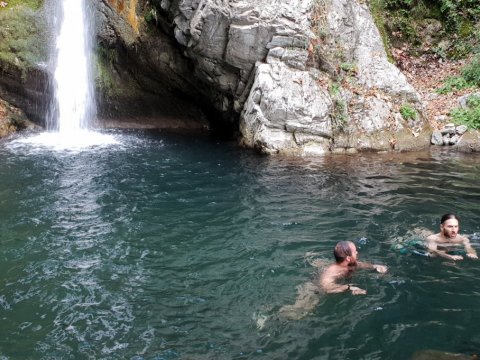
x=299, y=77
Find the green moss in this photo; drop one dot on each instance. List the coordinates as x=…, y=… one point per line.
x=400, y=23
x=471, y=72
x=334, y=89
x=22, y=37
x=465, y=29
x=349, y=68
x=378, y=14
x=107, y=80
x=408, y=112
x=104, y=60
x=469, y=116
x=33, y=4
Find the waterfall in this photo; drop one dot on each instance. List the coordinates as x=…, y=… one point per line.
x=73, y=111
x=73, y=76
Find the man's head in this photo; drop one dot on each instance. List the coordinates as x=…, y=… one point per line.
x=449, y=225
x=345, y=251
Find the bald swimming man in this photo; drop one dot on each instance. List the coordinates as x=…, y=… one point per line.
x=329, y=281
x=346, y=262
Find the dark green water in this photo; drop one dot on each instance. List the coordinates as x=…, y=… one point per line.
x=179, y=248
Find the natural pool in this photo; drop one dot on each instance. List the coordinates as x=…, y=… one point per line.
x=168, y=247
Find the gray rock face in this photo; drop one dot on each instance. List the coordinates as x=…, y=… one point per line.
x=461, y=129
x=368, y=99
x=291, y=86
x=280, y=116
x=437, y=138
x=142, y=75
x=463, y=100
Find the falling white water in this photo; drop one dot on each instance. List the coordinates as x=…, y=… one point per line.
x=72, y=76
x=75, y=100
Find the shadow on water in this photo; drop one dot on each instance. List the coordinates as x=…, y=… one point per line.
x=169, y=247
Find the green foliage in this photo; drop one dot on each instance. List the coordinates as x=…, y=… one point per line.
x=408, y=112
x=470, y=78
x=151, y=16
x=469, y=116
x=340, y=114
x=471, y=72
x=334, y=89
x=402, y=20
x=349, y=68
x=458, y=11
x=452, y=84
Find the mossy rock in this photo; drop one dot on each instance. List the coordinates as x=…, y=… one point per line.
x=23, y=34
x=32, y=4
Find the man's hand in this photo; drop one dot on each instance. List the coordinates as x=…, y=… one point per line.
x=456, y=257
x=382, y=269
x=472, y=256
x=357, y=291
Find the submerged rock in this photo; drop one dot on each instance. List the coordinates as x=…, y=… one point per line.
x=440, y=355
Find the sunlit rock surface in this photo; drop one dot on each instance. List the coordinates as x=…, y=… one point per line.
x=290, y=85
x=13, y=119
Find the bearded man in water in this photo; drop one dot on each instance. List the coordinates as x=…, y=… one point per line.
x=330, y=281
x=346, y=262
x=448, y=239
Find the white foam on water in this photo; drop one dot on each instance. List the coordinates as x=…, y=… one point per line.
x=80, y=140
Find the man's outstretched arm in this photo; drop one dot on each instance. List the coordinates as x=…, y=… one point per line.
x=471, y=253
x=365, y=265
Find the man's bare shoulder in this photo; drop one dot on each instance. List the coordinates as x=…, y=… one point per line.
x=433, y=237
x=462, y=238
x=459, y=239
x=333, y=271
x=332, y=268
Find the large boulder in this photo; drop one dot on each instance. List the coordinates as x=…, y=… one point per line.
x=341, y=92
x=292, y=85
